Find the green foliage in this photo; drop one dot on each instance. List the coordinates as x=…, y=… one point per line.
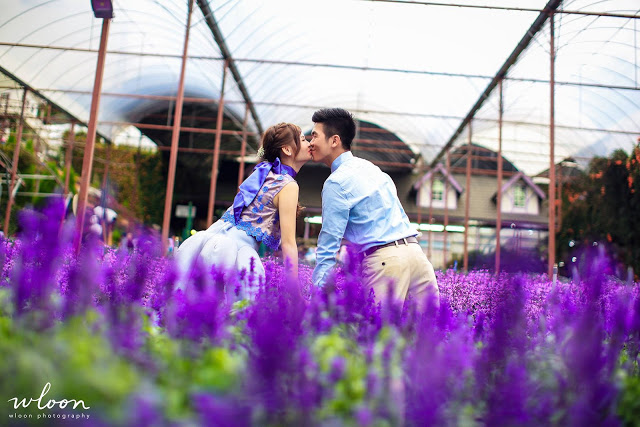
x=152, y=188
x=603, y=205
x=183, y=369
x=349, y=390
x=629, y=405
x=27, y=163
x=136, y=178
x=78, y=363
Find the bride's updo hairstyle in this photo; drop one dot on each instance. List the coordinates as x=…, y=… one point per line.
x=276, y=137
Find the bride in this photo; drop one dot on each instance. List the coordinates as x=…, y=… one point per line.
x=264, y=210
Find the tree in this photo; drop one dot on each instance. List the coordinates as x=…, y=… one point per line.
x=603, y=207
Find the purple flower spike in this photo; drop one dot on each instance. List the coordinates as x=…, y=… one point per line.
x=221, y=411
x=337, y=369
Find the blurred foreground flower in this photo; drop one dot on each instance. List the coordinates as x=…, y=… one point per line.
x=109, y=327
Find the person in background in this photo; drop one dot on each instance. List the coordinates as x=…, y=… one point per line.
x=360, y=204
x=127, y=243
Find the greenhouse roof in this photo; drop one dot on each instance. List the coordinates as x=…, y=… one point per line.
x=414, y=68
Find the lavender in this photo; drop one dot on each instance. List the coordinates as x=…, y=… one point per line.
x=226, y=348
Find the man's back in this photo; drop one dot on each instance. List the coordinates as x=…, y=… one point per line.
x=375, y=213
x=359, y=203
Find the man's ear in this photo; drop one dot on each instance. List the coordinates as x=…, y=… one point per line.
x=335, y=141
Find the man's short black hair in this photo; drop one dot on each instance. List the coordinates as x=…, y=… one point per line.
x=337, y=121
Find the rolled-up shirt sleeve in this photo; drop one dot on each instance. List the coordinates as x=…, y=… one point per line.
x=335, y=216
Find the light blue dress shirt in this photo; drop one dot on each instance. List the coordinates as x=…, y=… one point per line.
x=359, y=203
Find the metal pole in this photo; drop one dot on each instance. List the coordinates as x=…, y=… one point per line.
x=216, y=153
x=500, y=166
x=68, y=156
x=559, y=202
x=105, y=194
x=175, y=137
x=226, y=54
x=170, y=127
x=419, y=203
x=198, y=150
x=446, y=208
x=521, y=47
x=89, y=147
x=430, y=214
x=509, y=8
x=14, y=164
x=552, y=168
x=243, y=149
x=467, y=200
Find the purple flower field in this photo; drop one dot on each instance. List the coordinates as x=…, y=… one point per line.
x=107, y=327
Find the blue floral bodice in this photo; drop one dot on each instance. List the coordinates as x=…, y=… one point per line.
x=260, y=218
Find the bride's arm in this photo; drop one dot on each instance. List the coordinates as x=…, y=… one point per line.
x=287, y=206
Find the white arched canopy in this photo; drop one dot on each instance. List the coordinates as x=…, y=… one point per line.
x=415, y=68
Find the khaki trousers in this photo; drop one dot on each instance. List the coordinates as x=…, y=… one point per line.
x=404, y=270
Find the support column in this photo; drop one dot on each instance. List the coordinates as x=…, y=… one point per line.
x=68, y=157
x=243, y=149
x=446, y=209
x=14, y=165
x=467, y=200
x=552, y=167
x=105, y=195
x=216, y=152
x=430, y=214
x=499, y=195
x=175, y=137
x=419, y=206
x=559, y=199
x=87, y=161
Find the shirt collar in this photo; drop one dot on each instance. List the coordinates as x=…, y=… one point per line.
x=340, y=160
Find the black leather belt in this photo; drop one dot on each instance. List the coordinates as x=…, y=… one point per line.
x=404, y=241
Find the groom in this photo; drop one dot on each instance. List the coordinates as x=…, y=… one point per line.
x=360, y=203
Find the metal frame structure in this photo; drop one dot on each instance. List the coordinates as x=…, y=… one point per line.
x=230, y=63
x=87, y=163
x=14, y=164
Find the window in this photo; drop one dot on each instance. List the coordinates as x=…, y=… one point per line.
x=4, y=101
x=519, y=196
x=438, y=191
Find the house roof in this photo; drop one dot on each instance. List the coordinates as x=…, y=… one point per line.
x=566, y=169
x=382, y=147
x=482, y=159
x=438, y=169
x=521, y=176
